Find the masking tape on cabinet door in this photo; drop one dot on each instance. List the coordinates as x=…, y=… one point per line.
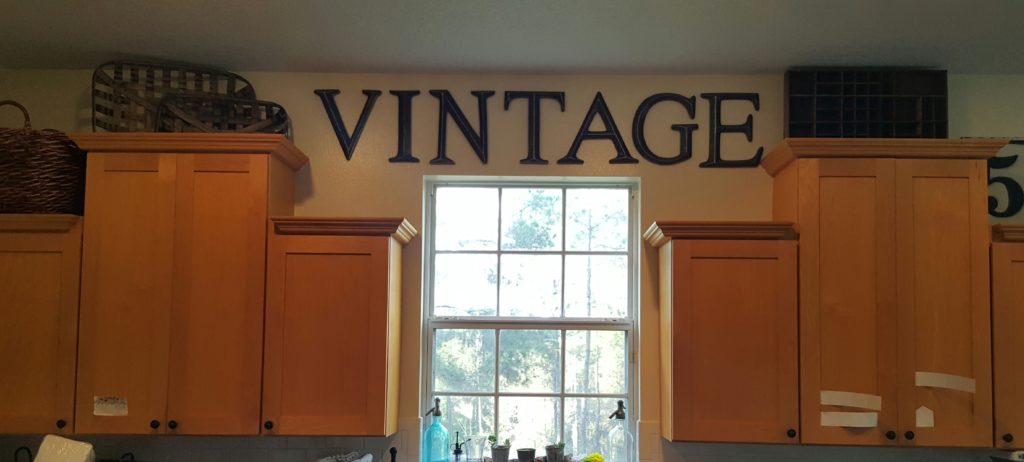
x=924, y=418
x=849, y=419
x=947, y=381
x=850, y=399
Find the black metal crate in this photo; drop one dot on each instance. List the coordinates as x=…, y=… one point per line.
x=866, y=103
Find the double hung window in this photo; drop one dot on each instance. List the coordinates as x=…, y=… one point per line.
x=529, y=325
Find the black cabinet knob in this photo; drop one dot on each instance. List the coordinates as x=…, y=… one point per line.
x=891, y=435
x=1008, y=438
x=172, y=424
x=61, y=423
x=791, y=433
x=154, y=424
x=909, y=435
x=268, y=425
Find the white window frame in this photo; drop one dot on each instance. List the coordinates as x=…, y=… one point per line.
x=628, y=324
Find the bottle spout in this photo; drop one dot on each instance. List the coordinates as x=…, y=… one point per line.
x=620, y=413
x=436, y=410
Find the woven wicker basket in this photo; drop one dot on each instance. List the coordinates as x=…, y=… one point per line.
x=216, y=114
x=41, y=171
x=126, y=94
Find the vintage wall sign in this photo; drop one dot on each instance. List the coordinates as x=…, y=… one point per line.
x=477, y=138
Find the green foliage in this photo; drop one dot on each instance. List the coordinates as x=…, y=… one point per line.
x=492, y=441
x=534, y=223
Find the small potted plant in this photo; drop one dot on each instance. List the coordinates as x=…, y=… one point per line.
x=499, y=452
x=526, y=454
x=555, y=452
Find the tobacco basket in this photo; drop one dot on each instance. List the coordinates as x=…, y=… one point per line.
x=126, y=95
x=218, y=114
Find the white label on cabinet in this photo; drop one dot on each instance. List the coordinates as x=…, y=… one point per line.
x=850, y=399
x=925, y=417
x=110, y=406
x=947, y=381
x=849, y=419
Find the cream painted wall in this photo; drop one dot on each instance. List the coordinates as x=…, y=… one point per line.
x=368, y=185
x=986, y=105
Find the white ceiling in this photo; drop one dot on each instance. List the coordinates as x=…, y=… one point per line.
x=556, y=36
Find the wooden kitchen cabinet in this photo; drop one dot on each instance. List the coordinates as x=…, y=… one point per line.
x=728, y=302
x=894, y=309
x=172, y=292
x=332, y=326
x=39, y=269
x=1007, y=341
x=942, y=274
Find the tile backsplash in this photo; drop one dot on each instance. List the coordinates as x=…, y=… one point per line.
x=712, y=452
x=218, y=449
x=309, y=449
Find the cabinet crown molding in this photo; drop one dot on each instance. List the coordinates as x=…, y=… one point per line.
x=37, y=223
x=661, y=232
x=193, y=143
x=398, y=228
x=796, y=148
x=1008, y=233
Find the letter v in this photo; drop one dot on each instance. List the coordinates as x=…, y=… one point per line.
x=347, y=142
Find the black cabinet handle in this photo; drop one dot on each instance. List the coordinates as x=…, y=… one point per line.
x=61, y=423
x=172, y=424
x=909, y=435
x=154, y=424
x=1008, y=437
x=791, y=433
x=891, y=435
x=268, y=425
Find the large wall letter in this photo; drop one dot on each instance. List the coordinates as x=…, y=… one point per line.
x=533, y=119
x=447, y=106
x=685, y=130
x=718, y=129
x=404, y=153
x=610, y=133
x=348, y=143
x=1014, y=192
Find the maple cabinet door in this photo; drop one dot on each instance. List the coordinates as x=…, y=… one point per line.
x=126, y=294
x=216, y=334
x=734, y=330
x=847, y=302
x=327, y=330
x=1008, y=343
x=945, y=368
x=39, y=269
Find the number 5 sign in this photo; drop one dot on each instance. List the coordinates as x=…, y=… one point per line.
x=1006, y=196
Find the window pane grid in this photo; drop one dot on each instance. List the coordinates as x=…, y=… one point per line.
x=560, y=397
x=585, y=403
x=501, y=308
